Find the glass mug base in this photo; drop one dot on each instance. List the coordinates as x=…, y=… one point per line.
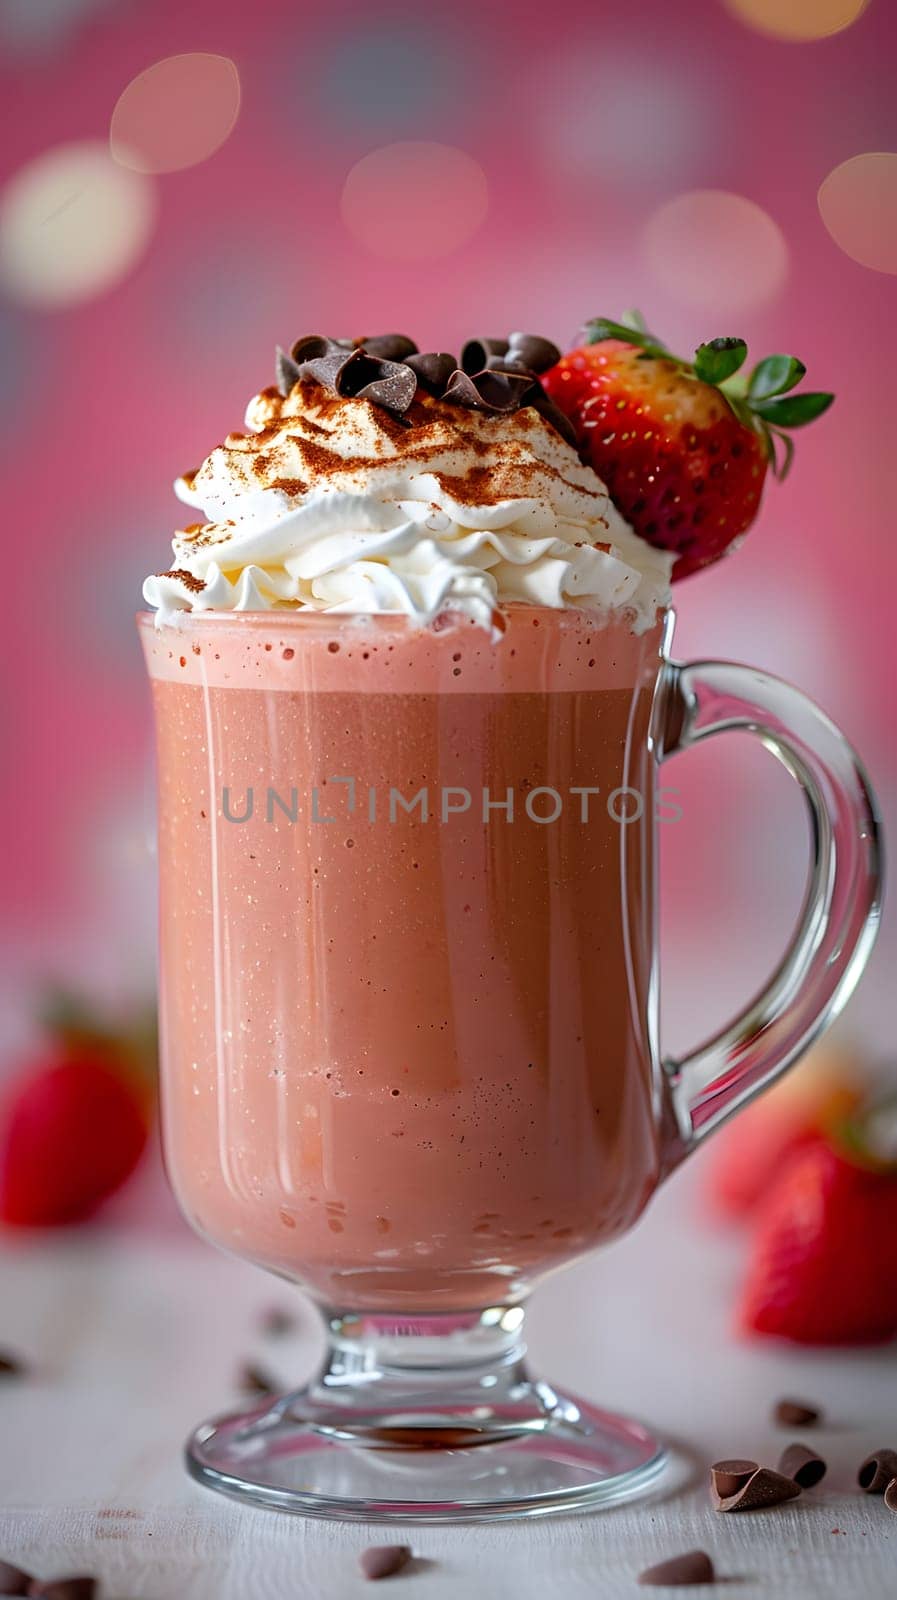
x=433, y=1419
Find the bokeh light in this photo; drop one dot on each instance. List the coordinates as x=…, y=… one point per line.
x=175, y=113
x=601, y=109
x=32, y=27
x=414, y=201
x=72, y=223
x=798, y=19
x=858, y=203
x=389, y=75
x=716, y=250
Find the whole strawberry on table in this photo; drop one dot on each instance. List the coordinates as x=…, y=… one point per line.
x=75, y=1117
x=684, y=447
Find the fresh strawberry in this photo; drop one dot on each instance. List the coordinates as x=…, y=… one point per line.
x=682, y=446
x=823, y=1267
x=74, y=1127
x=745, y=1157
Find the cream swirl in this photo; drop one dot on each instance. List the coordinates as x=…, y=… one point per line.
x=332, y=504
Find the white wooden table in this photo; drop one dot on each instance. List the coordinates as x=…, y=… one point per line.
x=133, y=1339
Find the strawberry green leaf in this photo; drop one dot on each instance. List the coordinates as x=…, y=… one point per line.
x=792, y=410
x=775, y=375
x=781, y=468
x=601, y=328
x=717, y=360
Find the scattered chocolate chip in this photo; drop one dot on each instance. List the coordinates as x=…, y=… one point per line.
x=533, y=352
x=64, y=1589
x=877, y=1471
x=254, y=1380
x=433, y=369
x=12, y=1579
x=695, y=1566
x=390, y=347
x=891, y=1495
x=763, y=1488
x=489, y=391
x=803, y=1465
x=476, y=352
x=277, y=1322
x=796, y=1414
x=286, y=371
x=727, y=1477
x=384, y=1560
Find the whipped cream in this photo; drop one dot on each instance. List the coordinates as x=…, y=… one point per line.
x=331, y=503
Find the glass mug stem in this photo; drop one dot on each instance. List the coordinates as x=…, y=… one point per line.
x=841, y=911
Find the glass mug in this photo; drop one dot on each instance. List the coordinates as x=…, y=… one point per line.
x=408, y=998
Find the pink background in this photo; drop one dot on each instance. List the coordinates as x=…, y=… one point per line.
x=584, y=119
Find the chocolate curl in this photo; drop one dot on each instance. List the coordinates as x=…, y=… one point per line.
x=500, y=392
x=877, y=1471
x=286, y=372
x=389, y=347
x=476, y=354
x=350, y=370
x=763, y=1488
x=533, y=352
x=433, y=369
x=727, y=1477
x=803, y=1465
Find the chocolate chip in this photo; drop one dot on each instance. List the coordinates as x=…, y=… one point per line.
x=763, y=1488
x=433, y=369
x=253, y=1380
x=695, y=1566
x=64, y=1589
x=476, y=352
x=12, y=1579
x=10, y=1365
x=891, y=1495
x=390, y=347
x=534, y=352
x=286, y=371
x=796, y=1414
x=877, y=1471
x=727, y=1477
x=489, y=391
x=803, y=1465
x=384, y=1560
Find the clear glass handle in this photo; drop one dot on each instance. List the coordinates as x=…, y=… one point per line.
x=840, y=915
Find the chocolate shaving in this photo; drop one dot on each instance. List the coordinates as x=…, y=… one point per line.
x=496, y=375
x=10, y=1367
x=891, y=1495
x=476, y=353
x=695, y=1566
x=384, y=1560
x=877, y=1471
x=727, y=1477
x=13, y=1580
x=500, y=392
x=287, y=374
x=795, y=1414
x=533, y=352
x=390, y=347
x=763, y=1488
x=804, y=1466
x=433, y=369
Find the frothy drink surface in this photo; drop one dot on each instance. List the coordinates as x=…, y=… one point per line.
x=403, y=1057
